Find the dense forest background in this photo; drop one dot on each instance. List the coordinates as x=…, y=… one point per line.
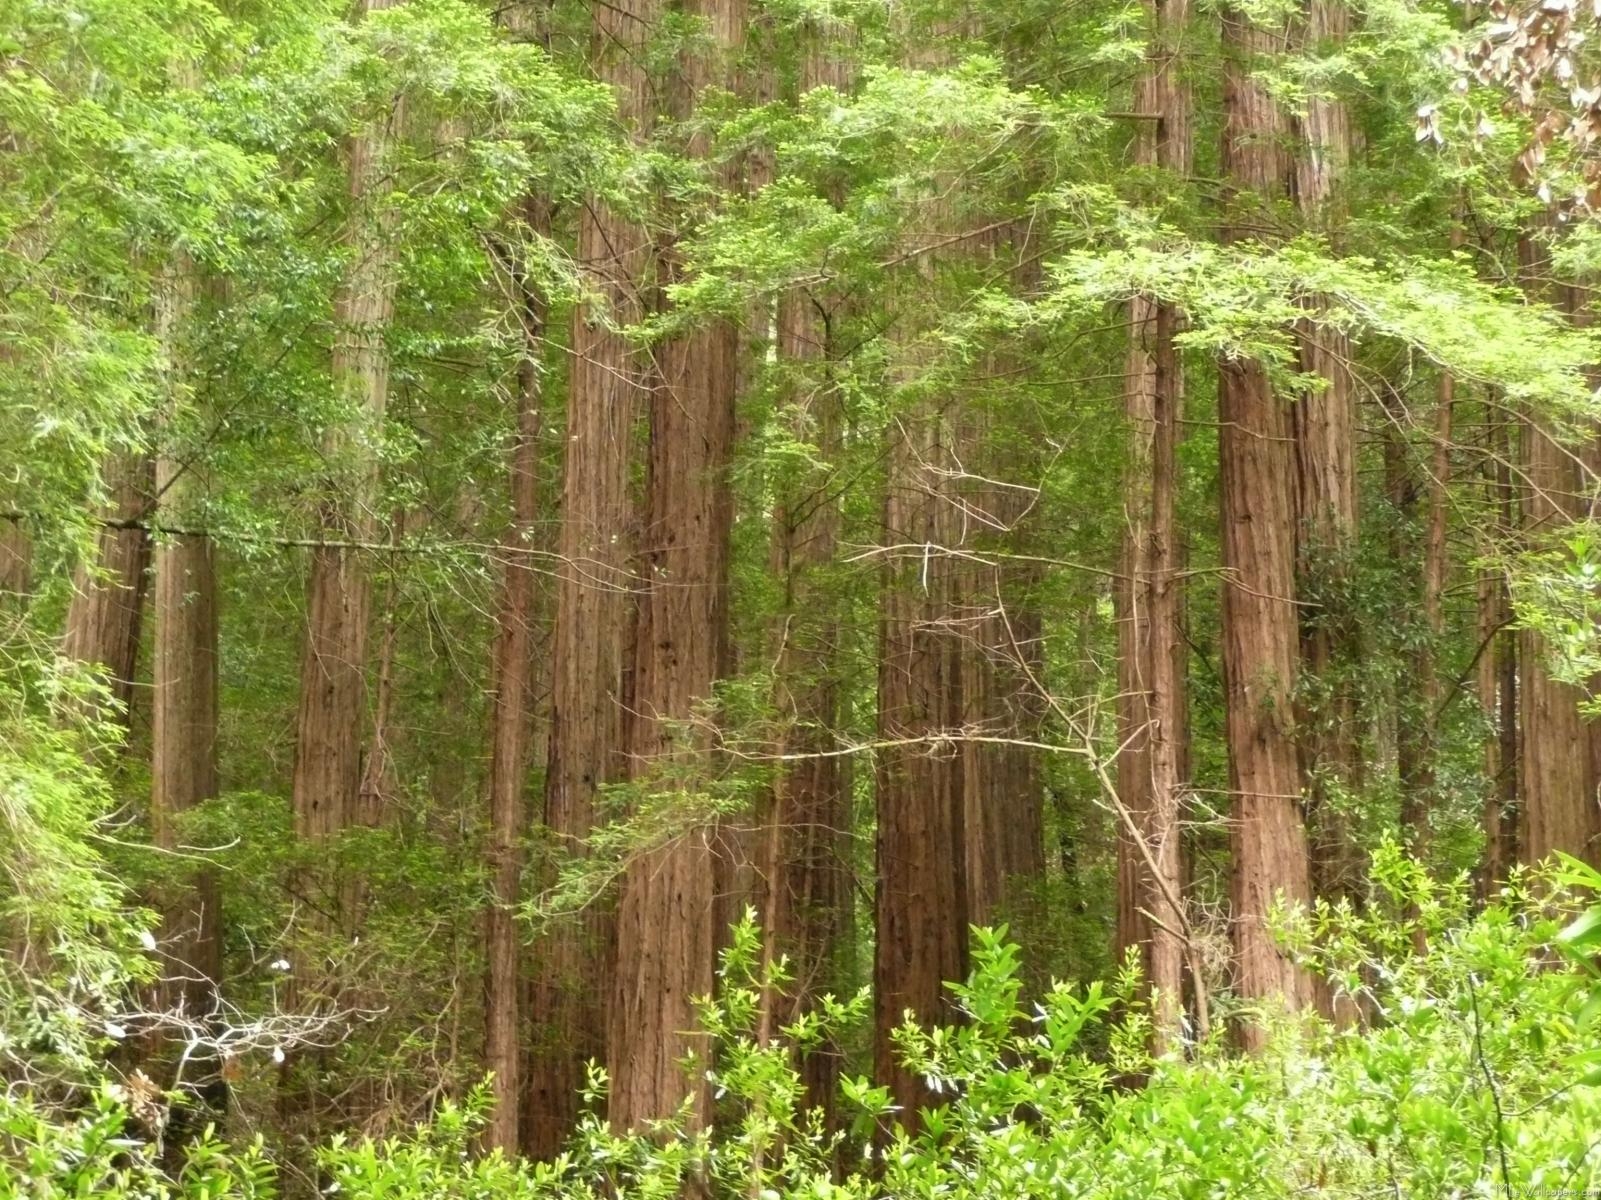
x=556, y=560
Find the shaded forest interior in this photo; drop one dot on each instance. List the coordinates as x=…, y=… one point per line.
x=516, y=520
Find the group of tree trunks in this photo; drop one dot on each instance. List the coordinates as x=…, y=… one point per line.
x=638, y=630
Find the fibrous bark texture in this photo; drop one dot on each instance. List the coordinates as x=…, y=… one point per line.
x=1324, y=422
x=666, y=910
x=512, y=709
x=332, y=713
x=1557, y=770
x=590, y=647
x=108, y=594
x=921, y=905
x=1260, y=621
x=1147, y=598
x=184, y=692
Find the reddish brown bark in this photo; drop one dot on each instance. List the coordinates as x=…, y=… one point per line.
x=104, y=615
x=1557, y=785
x=666, y=935
x=921, y=906
x=999, y=626
x=1148, y=599
x=1002, y=789
x=511, y=729
x=184, y=694
x=1324, y=420
x=16, y=563
x=1260, y=621
x=802, y=853
x=1558, y=810
x=803, y=860
x=333, y=698
x=591, y=640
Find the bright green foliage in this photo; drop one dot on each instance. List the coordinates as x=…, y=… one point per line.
x=1463, y=1082
x=1554, y=594
x=974, y=233
x=74, y=940
x=1243, y=303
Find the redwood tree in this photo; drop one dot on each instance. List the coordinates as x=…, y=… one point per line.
x=666, y=936
x=183, y=768
x=333, y=685
x=512, y=683
x=1260, y=621
x=1151, y=693
x=609, y=383
x=108, y=594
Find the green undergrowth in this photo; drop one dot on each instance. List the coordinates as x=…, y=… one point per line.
x=1468, y=1075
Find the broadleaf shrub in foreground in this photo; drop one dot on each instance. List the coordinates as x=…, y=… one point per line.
x=1466, y=1076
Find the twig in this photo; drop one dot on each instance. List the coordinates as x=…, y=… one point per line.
x=1495, y=1094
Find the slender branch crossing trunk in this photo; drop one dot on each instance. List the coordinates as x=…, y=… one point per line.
x=333, y=690
x=666, y=936
x=922, y=910
x=1148, y=598
x=590, y=645
x=513, y=684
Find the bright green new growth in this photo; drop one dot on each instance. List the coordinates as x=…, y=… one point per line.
x=1467, y=1085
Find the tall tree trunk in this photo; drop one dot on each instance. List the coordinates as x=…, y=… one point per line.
x=108, y=594
x=513, y=676
x=331, y=718
x=333, y=699
x=513, y=685
x=1002, y=784
x=1151, y=693
x=1556, y=784
x=1260, y=622
x=1498, y=669
x=591, y=642
x=921, y=903
x=666, y=940
x=184, y=698
x=1324, y=421
x=16, y=564
x=1558, y=796
x=922, y=909
x=803, y=861
x=803, y=858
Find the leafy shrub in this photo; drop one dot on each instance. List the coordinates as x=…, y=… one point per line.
x=1463, y=1078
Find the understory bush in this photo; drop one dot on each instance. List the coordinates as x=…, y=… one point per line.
x=1464, y=1074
